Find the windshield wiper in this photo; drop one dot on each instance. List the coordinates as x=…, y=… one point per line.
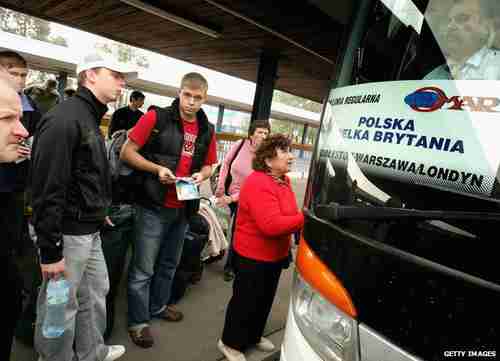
x=336, y=212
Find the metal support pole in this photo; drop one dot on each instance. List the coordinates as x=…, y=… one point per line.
x=220, y=117
x=266, y=78
x=62, y=80
x=304, y=138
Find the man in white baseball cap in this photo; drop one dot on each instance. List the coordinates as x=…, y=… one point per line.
x=71, y=195
x=97, y=60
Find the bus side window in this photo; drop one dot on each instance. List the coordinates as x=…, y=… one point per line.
x=422, y=55
x=391, y=50
x=382, y=49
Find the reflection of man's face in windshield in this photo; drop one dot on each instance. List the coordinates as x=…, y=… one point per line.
x=436, y=13
x=466, y=30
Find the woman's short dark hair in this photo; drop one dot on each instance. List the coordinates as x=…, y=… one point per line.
x=268, y=150
x=264, y=124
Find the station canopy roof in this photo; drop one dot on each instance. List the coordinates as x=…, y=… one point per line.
x=51, y=58
x=224, y=35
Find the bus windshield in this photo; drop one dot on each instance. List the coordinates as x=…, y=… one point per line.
x=418, y=122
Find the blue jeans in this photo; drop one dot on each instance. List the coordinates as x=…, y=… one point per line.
x=159, y=238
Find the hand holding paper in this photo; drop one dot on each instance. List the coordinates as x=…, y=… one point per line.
x=166, y=176
x=186, y=189
x=197, y=178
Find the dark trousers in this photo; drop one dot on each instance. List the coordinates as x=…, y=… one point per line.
x=13, y=286
x=233, y=207
x=15, y=223
x=13, y=306
x=115, y=243
x=254, y=288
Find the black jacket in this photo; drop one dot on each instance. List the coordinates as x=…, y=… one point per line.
x=123, y=118
x=164, y=147
x=70, y=175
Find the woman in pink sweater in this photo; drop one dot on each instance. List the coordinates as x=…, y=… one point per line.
x=267, y=217
x=236, y=167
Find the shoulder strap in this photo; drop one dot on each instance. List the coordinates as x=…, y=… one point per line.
x=235, y=155
x=229, y=178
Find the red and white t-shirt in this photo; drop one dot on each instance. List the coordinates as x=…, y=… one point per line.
x=140, y=135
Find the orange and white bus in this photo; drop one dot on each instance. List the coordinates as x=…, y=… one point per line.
x=398, y=257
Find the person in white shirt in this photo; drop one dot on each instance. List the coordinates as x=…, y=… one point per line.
x=466, y=41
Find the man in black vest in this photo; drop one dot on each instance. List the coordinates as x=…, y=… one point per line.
x=166, y=144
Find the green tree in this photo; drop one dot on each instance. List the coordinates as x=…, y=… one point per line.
x=295, y=101
x=294, y=130
x=59, y=40
x=124, y=53
x=28, y=26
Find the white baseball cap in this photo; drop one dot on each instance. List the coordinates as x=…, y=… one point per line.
x=95, y=60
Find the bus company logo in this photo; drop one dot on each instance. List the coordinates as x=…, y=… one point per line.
x=429, y=99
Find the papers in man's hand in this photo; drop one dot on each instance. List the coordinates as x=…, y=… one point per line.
x=186, y=189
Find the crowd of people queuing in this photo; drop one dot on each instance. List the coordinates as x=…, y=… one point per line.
x=85, y=221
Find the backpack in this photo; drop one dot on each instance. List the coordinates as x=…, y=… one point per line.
x=114, y=146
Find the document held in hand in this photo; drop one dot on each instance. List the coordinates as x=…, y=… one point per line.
x=186, y=189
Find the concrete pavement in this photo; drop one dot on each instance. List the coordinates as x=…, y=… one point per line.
x=195, y=338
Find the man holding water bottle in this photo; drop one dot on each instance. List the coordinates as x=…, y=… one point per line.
x=71, y=194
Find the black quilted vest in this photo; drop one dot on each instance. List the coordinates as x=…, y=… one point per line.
x=164, y=147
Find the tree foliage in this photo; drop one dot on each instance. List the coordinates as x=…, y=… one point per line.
x=295, y=130
x=33, y=28
x=28, y=26
x=295, y=101
x=124, y=53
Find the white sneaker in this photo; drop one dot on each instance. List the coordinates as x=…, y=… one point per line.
x=265, y=345
x=230, y=353
x=114, y=352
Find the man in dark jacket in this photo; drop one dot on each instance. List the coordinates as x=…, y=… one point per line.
x=14, y=175
x=127, y=117
x=166, y=143
x=11, y=133
x=71, y=194
x=46, y=97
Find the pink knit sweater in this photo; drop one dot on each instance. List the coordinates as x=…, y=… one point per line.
x=240, y=169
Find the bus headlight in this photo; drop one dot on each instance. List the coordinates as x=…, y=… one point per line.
x=329, y=331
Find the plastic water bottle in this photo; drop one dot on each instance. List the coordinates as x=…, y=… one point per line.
x=57, y=298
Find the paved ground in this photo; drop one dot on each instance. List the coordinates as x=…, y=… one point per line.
x=195, y=338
